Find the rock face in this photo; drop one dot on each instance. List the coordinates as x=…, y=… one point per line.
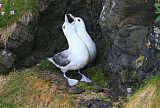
x=125, y=25
x=20, y=40
x=94, y=103
x=7, y=60
x=16, y=41
x=152, y=61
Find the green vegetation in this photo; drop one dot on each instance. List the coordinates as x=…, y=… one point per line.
x=45, y=65
x=41, y=87
x=97, y=77
x=157, y=6
x=95, y=73
x=17, y=90
x=148, y=96
x=18, y=6
x=27, y=88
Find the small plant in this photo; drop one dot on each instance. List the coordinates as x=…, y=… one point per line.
x=139, y=61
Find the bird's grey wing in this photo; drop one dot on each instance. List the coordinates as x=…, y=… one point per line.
x=61, y=59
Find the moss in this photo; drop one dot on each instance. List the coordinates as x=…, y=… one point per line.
x=86, y=86
x=97, y=77
x=45, y=65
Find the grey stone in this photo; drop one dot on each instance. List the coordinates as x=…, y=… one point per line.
x=94, y=103
x=7, y=60
x=20, y=40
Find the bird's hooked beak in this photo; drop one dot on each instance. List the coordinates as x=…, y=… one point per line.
x=71, y=16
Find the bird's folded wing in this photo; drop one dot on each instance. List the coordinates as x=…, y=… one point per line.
x=61, y=58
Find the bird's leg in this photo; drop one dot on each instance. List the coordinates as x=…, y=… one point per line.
x=71, y=82
x=84, y=78
x=89, y=66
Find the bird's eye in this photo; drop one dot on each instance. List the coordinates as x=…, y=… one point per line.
x=79, y=20
x=63, y=27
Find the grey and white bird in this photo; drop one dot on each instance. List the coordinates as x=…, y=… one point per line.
x=82, y=34
x=75, y=57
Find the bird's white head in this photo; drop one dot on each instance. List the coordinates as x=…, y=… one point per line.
x=68, y=28
x=77, y=21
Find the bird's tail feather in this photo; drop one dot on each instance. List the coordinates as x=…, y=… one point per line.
x=51, y=60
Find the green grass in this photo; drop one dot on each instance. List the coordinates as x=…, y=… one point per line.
x=18, y=89
x=147, y=96
x=154, y=80
x=27, y=88
x=30, y=88
x=19, y=6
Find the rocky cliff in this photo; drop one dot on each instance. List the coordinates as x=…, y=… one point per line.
x=120, y=30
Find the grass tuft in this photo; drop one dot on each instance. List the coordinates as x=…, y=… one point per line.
x=19, y=6
x=148, y=96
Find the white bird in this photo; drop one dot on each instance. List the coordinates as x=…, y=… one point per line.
x=75, y=57
x=82, y=33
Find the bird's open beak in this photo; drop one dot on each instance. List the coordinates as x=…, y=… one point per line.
x=66, y=19
x=71, y=16
x=73, y=23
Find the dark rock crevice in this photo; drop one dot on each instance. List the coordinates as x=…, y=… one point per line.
x=49, y=38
